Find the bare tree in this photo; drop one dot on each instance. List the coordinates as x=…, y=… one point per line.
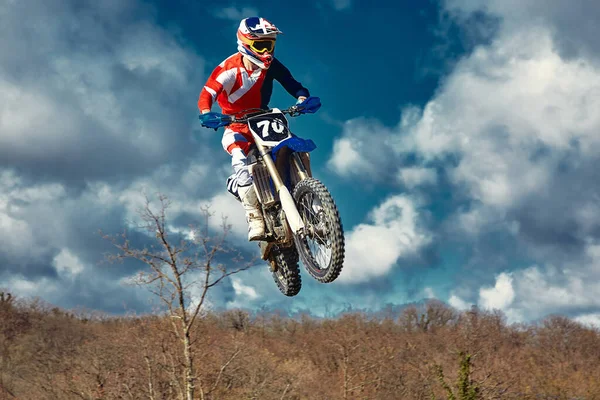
x=180, y=272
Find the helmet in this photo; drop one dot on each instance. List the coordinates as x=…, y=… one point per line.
x=256, y=40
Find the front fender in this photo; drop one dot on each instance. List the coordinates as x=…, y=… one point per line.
x=295, y=144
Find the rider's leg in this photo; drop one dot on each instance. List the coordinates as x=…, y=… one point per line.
x=237, y=146
x=256, y=224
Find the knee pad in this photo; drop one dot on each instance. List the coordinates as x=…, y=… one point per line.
x=240, y=167
x=232, y=187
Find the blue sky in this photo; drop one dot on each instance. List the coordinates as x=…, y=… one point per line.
x=459, y=137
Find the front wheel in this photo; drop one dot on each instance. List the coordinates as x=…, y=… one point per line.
x=321, y=248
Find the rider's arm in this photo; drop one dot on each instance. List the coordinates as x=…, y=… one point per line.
x=220, y=79
x=285, y=78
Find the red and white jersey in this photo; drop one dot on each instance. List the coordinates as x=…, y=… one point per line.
x=233, y=87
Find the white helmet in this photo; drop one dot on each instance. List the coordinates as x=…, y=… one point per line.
x=256, y=40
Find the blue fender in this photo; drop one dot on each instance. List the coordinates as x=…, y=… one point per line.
x=295, y=144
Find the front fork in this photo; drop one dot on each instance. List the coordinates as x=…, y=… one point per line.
x=301, y=166
x=287, y=202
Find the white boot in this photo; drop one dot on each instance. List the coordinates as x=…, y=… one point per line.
x=256, y=223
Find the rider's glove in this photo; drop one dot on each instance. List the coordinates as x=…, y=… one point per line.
x=308, y=105
x=213, y=120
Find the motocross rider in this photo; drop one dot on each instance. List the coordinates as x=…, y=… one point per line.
x=242, y=81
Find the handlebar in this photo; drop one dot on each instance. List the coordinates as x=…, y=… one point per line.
x=216, y=120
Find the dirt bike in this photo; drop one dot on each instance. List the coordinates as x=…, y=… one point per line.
x=301, y=218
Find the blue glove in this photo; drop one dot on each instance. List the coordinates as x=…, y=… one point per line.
x=309, y=106
x=214, y=120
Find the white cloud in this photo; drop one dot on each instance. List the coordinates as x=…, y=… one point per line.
x=225, y=205
x=429, y=293
x=99, y=91
x=67, y=264
x=540, y=290
x=516, y=113
x=458, y=303
x=417, y=176
x=500, y=296
x=30, y=288
x=518, y=119
x=26, y=217
x=242, y=290
x=373, y=249
x=511, y=112
x=369, y=150
x=345, y=160
x=592, y=320
x=553, y=289
x=574, y=28
x=18, y=242
x=235, y=13
x=530, y=110
x=348, y=158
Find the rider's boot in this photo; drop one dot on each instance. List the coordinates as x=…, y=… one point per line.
x=256, y=223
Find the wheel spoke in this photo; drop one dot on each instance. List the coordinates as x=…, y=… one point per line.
x=316, y=243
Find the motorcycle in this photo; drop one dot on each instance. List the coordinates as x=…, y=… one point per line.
x=302, y=221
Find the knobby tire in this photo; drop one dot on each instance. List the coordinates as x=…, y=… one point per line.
x=335, y=232
x=287, y=275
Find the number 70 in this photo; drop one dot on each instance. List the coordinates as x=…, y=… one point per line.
x=276, y=126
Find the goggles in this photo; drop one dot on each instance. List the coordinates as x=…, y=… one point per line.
x=262, y=45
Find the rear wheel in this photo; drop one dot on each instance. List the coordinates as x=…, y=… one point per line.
x=284, y=262
x=322, y=247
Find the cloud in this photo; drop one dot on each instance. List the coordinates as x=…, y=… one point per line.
x=88, y=99
x=27, y=221
x=236, y=14
x=429, y=293
x=395, y=232
x=244, y=293
x=539, y=290
x=97, y=113
x=524, y=151
x=416, y=176
x=31, y=288
x=513, y=132
x=573, y=28
x=56, y=252
x=592, y=320
x=518, y=118
x=225, y=205
x=500, y=296
x=346, y=159
x=458, y=303
x=68, y=264
x=505, y=155
x=355, y=156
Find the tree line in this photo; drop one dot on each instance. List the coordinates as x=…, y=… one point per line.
x=429, y=351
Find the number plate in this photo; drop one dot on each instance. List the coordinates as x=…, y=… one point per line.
x=270, y=127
